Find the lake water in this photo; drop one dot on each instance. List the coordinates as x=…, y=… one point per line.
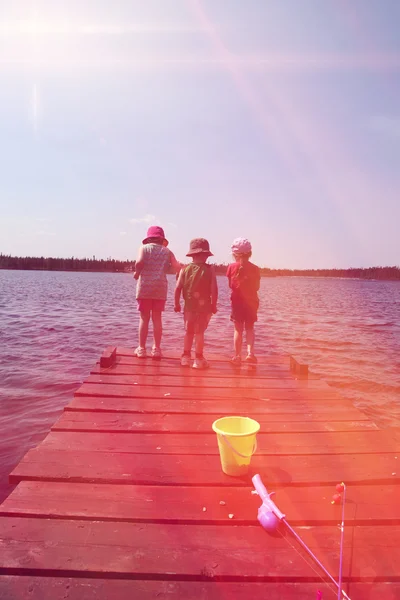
x=54, y=326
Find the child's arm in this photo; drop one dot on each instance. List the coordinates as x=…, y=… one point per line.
x=214, y=291
x=178, y=290
x=176, y=265
x=228, y=274
x=258, y=280
x=139, y=263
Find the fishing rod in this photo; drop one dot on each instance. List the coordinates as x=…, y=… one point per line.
x=340, y=488
x=269, y=517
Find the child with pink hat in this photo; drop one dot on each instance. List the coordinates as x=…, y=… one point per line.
x=244, y=282
x=153, y=262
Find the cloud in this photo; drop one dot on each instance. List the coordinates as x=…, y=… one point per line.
x=43, y=219
x=146, y=219
x=386, y=125
x=44, y=233
x=173, y=225
x=122, y=233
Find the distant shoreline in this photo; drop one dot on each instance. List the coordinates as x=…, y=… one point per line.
x=110, y=265
x=366, y=274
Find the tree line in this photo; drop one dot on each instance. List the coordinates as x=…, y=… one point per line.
x=125, y=266
x=383, y=273
x=41, y=263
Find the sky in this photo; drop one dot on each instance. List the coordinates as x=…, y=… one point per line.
x=275, y=120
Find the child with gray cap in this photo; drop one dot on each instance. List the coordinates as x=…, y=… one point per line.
x=244, y=282
x=198, y=284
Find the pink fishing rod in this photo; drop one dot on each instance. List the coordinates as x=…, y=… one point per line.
x=270, y=516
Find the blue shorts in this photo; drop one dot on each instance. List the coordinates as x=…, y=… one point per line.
x=196, y=322
x=243, y=313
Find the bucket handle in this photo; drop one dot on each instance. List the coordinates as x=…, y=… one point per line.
x=227, y=442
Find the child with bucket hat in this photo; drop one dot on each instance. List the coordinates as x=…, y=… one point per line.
x=198, y=284
x=153, y=262
x=244, y=282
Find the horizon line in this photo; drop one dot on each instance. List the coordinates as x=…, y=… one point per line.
x=218, y=264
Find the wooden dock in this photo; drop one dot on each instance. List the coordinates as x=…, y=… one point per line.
x=125, y=497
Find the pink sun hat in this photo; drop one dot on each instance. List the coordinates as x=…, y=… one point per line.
x=155, y=231
x=241, y=246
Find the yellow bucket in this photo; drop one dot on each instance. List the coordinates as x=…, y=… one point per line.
x=237, y=443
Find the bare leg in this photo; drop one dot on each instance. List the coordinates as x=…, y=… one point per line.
x=188, y=342
x=238, y=338
x=156, y=316
x=199, y=343
x=250, y=338
x=143, y=327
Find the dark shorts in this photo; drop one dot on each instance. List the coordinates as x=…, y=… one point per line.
x=147, y=304
x=243, y=313
x=196, y=322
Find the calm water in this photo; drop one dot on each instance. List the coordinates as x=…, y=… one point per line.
x=53, y=327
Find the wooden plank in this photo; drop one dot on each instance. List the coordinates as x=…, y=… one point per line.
x=145, y=550
x=226, y=367
x=108, y=357
x=367, y=442
x=187, y=381
x=337, y=410
x=156, y=368
x=163, y=504
x=124, y=422
x=165, y=469
x=263, y=359
x=52, y=588
x=200, y=393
